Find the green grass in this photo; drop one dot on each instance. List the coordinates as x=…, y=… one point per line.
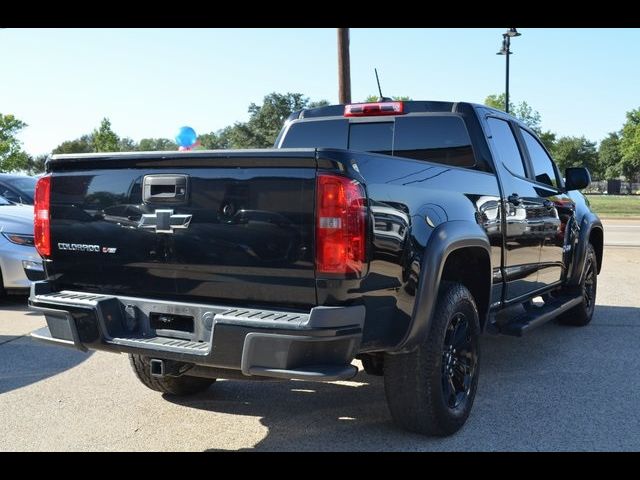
x=615, y=205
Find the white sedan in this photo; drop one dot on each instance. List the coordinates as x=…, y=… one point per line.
x=20, y=264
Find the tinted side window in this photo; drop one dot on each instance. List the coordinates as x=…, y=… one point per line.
x=323, y=133
x=542, y=164
x=506, y=145
x=441, y=139
x=371, y=137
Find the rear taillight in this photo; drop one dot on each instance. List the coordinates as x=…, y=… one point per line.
x=373, y=109
x=340, y=225
x=41, y=216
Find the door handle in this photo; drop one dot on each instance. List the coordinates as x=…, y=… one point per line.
x=165, y=189
x=514, y=199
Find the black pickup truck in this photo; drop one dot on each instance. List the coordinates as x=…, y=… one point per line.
x=389, y=232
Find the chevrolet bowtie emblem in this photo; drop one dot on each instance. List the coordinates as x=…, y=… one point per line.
x=164, y=221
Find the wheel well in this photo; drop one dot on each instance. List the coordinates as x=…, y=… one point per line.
x=596, y=239
x=471, y=266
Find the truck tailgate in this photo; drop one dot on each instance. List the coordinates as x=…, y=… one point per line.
x=198, y=226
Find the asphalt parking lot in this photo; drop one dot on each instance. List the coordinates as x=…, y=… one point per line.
x=559, y=388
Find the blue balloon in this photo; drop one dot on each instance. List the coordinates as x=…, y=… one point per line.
x=186, y=137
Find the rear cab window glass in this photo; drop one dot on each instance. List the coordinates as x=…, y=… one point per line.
x=440, y=139
x=435, y=138
x=374, y=137
x=317, y=134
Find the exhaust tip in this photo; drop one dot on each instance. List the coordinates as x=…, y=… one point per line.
x=157, y=367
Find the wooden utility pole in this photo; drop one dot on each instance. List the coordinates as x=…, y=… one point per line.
x=344, y=72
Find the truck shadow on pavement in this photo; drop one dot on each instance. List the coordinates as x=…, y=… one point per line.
x=24, y=361
x=304, y=416
x=536, y=383
x=16, y=303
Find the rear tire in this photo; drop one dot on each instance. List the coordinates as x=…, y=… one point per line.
x=431, y=390
x=182, y=385
x=581, y=314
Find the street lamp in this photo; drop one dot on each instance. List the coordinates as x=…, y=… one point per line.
x=506, y=44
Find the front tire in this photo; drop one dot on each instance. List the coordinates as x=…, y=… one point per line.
x=581, y=314
x=431, y=390
x=181, y=386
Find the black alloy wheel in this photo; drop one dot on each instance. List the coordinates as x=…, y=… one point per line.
x=589, y=286
x=459, y=359
x=581, y=314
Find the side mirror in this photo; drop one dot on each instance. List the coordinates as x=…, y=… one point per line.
x=576, y=178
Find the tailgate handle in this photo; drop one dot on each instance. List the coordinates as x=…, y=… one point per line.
x=165, y=189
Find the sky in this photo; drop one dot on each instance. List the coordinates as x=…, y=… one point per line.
x=149, y=82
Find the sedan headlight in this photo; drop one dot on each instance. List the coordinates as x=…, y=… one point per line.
x=19, y=239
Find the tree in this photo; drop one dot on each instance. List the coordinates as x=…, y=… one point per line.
x=528, y=116
x=265, y=121
x=375, y=98
x=630, y=146
x=577, y=152
x=318, y=103
x=104, y=138
x=609, y=155
x=127, y=144
x=84, y=144
x=548, y=138
x=156, y=144
x=35, y=165
x=497, y=102
x=215, y=140
x=12, y=157
x=522, y=111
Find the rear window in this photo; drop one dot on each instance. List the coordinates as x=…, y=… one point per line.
x=317, y=134
x=435, y=138
x=371, y=137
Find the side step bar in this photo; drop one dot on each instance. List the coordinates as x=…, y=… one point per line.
x=538, y=316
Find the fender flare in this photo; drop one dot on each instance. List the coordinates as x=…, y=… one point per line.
x=587, y=224
x=446, y=238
